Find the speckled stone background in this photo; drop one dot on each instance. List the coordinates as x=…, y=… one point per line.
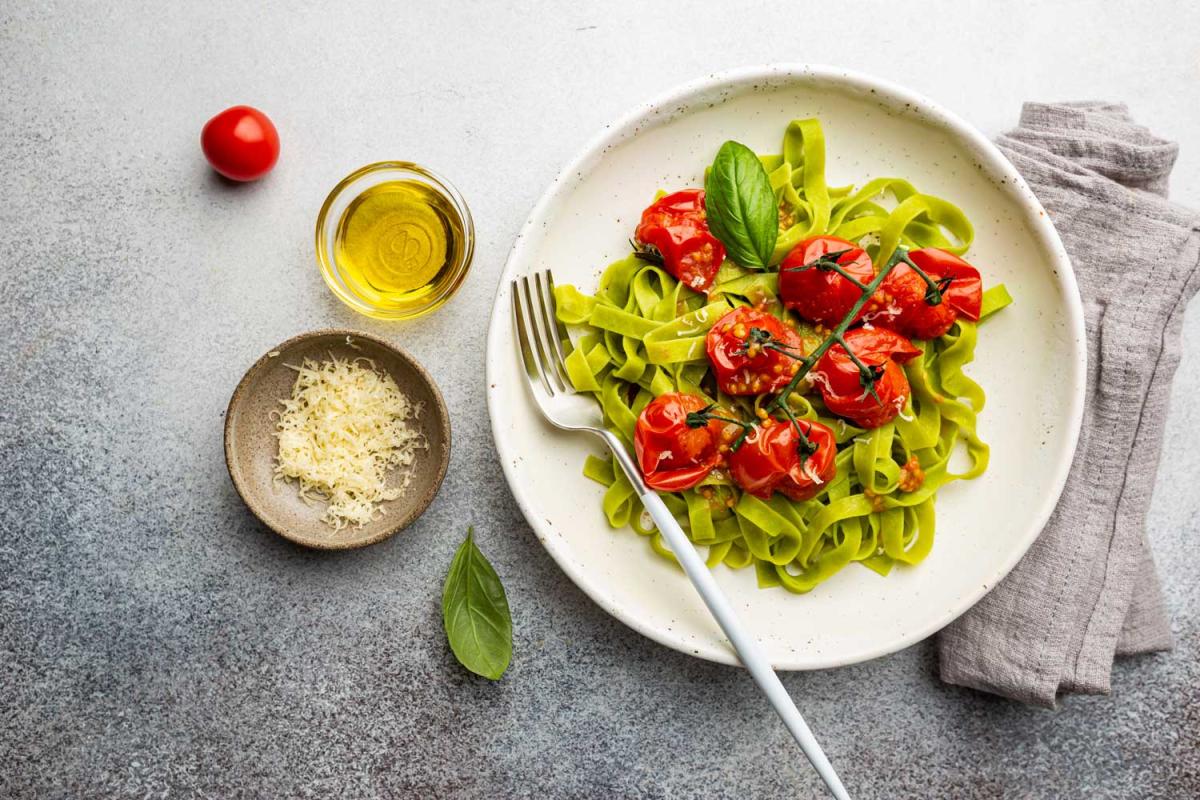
x=155, y=641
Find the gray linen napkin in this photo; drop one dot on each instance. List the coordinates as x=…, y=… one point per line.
x=1087, y=590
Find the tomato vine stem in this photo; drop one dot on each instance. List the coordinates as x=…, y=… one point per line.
x=933, y=289
x=835, y=337
x=828, y=263
x=698, y=419
x=807, y=446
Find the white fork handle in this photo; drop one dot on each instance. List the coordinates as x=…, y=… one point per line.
x=747, y=648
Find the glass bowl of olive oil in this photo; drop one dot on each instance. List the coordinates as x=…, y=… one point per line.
x=394, y=240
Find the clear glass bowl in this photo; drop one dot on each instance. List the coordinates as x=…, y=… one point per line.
x=351, y=289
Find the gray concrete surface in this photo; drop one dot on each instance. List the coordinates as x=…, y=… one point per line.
x=155, y=641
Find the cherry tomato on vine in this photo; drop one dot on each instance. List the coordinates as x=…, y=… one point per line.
x=752, y=352
x=775, y=458
x=900, y=302
x=676, y=227
x=813, y=289
x=672, y=454
x=842, y=384
x=241, y=143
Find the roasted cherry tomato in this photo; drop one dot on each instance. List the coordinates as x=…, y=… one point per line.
x=240, y=143
x=753, y=352
x=676, y=227
x=813, y=289
x=900, y=303
x=672, y=454
x=774, y=457
x=841, y=381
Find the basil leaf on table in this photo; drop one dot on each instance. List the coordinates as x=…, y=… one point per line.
x=740, y=205
x=475, y=612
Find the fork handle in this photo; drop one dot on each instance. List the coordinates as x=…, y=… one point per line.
x=747, y=647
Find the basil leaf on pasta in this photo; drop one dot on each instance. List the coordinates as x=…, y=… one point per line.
x=740, y=205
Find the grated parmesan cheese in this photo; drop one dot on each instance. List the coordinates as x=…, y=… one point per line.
x=341, y=433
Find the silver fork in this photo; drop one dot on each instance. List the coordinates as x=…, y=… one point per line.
x=542, y=345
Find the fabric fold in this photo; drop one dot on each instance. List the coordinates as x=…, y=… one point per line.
x=1088, y=590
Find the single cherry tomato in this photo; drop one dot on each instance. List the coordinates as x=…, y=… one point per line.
x=674, y=455
x=841, y=382
x=775, y=457
x=753, y=352
x=900, y=303
x=813, y=289
x=240, y=143
x=676, y=227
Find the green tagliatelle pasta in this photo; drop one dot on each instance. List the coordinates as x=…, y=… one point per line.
x=643, y=333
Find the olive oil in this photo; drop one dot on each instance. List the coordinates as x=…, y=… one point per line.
x=397, y=244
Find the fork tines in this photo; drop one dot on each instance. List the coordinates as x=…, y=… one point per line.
x=543, y=341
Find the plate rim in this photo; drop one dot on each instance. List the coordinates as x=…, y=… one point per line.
x=684, y=96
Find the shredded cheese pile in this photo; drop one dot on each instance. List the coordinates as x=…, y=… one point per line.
x=342, y=431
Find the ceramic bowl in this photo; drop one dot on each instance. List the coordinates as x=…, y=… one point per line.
x=251, y=447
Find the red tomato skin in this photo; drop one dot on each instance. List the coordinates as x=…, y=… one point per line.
x=241, y=143
x=769, y=460
x=676, y=225
x=817, y=295
x=673, y=456
x=837, y=376
x=741, y=373
x=965, y=293
x=900, y=303
x=875, y=346
x=864, y=412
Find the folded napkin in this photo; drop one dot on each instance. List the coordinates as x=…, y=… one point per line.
x=1087, y=589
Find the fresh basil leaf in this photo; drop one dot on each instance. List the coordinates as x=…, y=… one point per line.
x=475, y=612
x=740, y=205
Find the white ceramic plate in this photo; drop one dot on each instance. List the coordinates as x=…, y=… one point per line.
x=1030, y=360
